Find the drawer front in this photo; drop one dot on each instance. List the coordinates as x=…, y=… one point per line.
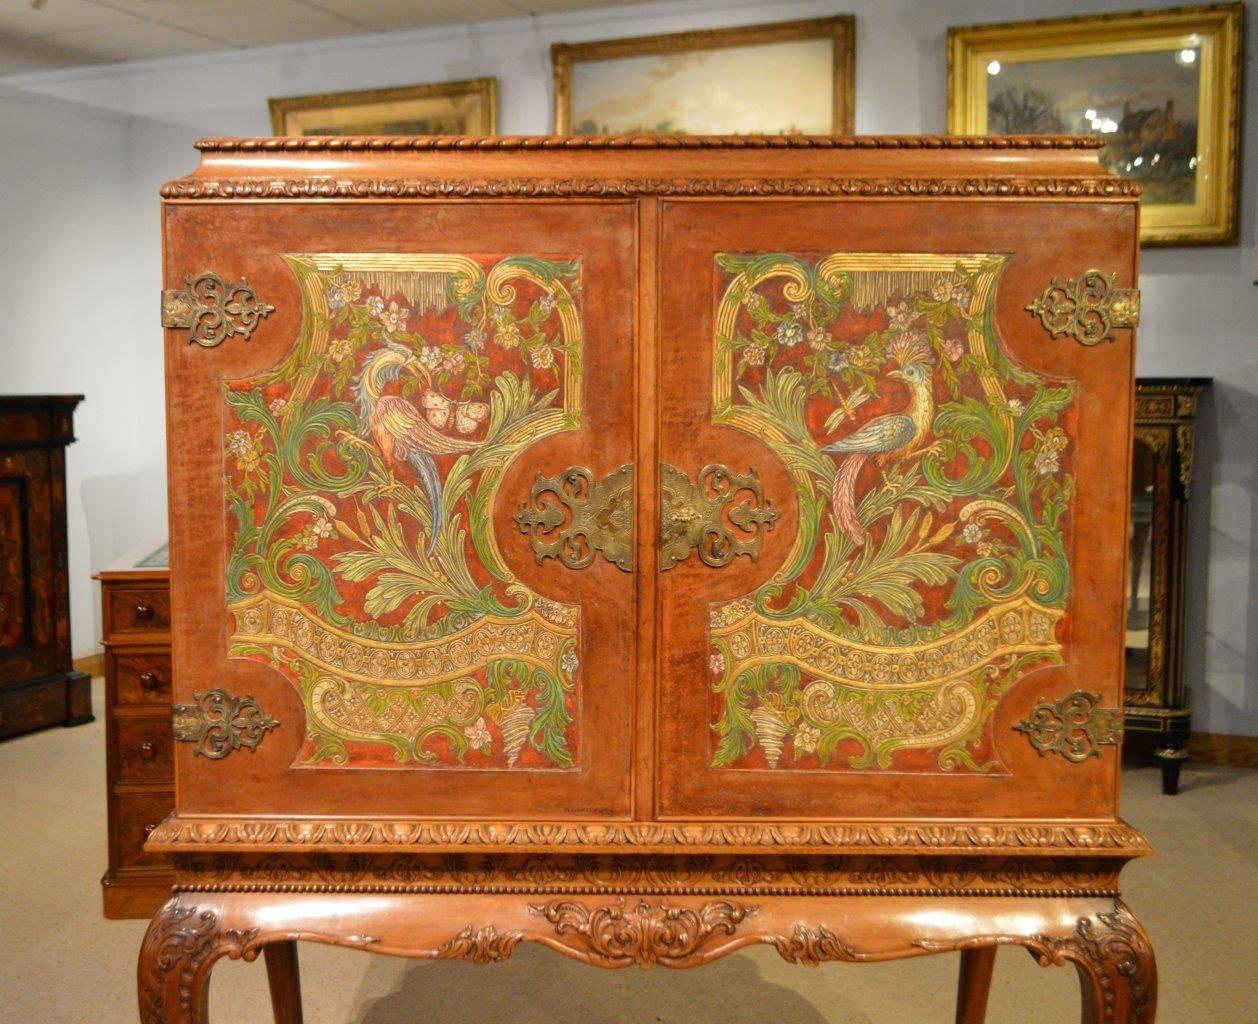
x=135, y=610
x=143, y=749
x=143, y=677
x=135, y=816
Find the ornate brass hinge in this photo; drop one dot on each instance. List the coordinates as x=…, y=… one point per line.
x=219, y=723
x=1074, y=727
x=573, y=518
x=1087, y=307
x=696, y=516
x=213, y=310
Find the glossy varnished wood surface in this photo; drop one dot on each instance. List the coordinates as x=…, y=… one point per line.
x=645, y=855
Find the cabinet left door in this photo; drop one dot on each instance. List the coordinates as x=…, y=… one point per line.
x=374, y=486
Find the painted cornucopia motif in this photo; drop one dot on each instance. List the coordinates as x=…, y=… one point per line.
x=934, y=481
x=361, y=475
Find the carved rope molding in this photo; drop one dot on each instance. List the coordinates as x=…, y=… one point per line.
x=413, y=143
x=184, y=832
x=462, y=188
x=213, y=310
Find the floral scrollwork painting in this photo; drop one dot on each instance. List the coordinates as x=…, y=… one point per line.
x=361, y=476
x=934, y=478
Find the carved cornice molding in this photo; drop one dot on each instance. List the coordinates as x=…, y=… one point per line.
x=184, y=834
x=499, y=143
x=660, y=875
x=622, y=934
x=462, y=188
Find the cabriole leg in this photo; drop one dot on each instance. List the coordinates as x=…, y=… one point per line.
x=284, y=977
x=974, y=984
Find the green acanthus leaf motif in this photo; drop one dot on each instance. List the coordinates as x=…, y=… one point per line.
x=361, y=474
x=933, y=476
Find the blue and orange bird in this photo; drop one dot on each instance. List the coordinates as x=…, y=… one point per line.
x=400, y=431
x=880, y=438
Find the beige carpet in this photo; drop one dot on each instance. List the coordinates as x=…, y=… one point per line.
x=62, y=963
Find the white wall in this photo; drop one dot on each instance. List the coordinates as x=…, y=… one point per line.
x=1200, y=306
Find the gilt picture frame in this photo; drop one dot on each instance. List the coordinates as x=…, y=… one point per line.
x=693, y=82
x=465, y=107
x=1162, y=87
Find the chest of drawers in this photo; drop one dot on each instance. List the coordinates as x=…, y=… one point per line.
x=646, y=548
x=139, y=758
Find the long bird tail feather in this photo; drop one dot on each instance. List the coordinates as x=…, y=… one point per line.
x=843, y=498
x=427, y=470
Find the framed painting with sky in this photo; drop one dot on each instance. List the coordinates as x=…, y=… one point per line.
x=1162, y=88
x=789, y=78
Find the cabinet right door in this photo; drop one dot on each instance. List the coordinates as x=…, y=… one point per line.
x=894, y=506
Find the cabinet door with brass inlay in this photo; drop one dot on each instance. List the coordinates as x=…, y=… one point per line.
x=897, y=461
x=389, y=535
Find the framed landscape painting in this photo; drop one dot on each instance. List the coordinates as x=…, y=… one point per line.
x=468, y=107
x=789, y=78
x=1162, y=88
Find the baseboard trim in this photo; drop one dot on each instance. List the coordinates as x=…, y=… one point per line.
x=93, y=665
x=1220, y=748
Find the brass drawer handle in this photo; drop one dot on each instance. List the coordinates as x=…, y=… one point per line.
x=144, y=612
x=147, y=750
x=572, y=517
x=698, y=515
x=150, y=681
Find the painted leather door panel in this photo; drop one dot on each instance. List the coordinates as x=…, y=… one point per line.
x=933, y=456
x=344, y=486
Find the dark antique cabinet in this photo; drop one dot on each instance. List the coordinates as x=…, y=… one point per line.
x=1155, y=692
x=38, y=684
x=648, y=548
x=139, y=756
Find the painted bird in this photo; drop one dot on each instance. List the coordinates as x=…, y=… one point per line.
x=400, y=431
x=881, y=437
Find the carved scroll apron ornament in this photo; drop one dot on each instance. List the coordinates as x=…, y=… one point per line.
x=1087, y=307
x=573, y=518
x=1074, y=727
x=697, y=515
x=219, y=723
x=213, y=310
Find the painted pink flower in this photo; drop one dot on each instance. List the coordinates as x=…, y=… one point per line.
x=953, y=349
x=394, y=318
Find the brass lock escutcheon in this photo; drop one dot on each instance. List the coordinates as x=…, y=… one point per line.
x=213, y=309
x=219, y=723
x=573, y=517
x=721, y=514
x=1087, y=307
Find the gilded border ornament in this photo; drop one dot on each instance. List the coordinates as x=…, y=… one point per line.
x=695, y=515
x=1087, y=307
x=219, y=723
x=213, y=310
x=1074, y=727
x=599, y=517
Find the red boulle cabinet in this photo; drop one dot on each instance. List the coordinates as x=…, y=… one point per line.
x=649, y=548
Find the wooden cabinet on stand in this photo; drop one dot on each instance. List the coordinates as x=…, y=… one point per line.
x=139, y=755
x=648, y=548
x=38, y=684
x=1155, y=691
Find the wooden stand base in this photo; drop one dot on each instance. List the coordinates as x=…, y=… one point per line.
x=1099, y=935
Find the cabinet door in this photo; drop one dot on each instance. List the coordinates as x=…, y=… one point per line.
x=912, y=515
x=346, y=538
